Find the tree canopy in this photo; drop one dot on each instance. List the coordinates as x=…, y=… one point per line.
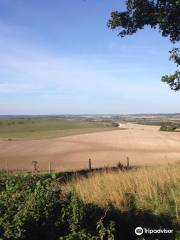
x=161, y=14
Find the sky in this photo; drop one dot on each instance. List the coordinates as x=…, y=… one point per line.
x=59, y=57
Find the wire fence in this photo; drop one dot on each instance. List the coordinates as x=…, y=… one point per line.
x=89, y=166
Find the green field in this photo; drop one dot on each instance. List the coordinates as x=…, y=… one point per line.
x=37, y=128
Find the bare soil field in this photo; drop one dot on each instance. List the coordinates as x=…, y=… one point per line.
x=143, y=145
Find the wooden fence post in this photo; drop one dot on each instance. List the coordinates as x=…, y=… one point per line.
x=7, y=167
x=49, y=166
x=90, y=167
x=128, y=165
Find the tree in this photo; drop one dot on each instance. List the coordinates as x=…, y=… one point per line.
x=161, y=14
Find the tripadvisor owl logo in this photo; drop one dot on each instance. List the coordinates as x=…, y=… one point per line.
x=139, y=231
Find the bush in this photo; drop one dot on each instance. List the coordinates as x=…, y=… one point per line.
x=33, y=208
x=29, y=211
x=168, y=127
x=114, y=124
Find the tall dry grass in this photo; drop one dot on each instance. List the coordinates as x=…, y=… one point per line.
x=154, y=188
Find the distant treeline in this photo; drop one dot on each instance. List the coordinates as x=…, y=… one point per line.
x=169, y=127
x=164, y=126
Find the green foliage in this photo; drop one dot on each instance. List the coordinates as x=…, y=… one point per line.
x=106, y=232
x=174, y=79
x=114, y=124
x=103, y=233
x=34, y=208
x=75, y=213
x=28, y=207
x=164, y=14
x=168, y=127
x=178, y=236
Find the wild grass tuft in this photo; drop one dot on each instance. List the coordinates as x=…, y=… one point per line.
x=148, y=188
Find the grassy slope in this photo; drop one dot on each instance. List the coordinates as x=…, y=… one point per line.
x=47, y=127
x=151, y=188
x=146, y=197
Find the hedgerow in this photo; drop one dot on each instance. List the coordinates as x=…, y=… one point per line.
x=34, y=208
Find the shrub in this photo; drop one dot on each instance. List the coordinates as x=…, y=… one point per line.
x=29, y=211
x=168, y=127
x=114, y=124
x=34, y=208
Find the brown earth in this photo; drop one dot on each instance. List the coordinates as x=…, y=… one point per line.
x=142, y=144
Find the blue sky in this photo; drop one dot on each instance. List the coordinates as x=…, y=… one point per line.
x=59, y=57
